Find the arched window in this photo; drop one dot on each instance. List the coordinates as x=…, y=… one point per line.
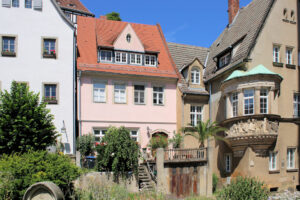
x=285, y=13
x=195, y=76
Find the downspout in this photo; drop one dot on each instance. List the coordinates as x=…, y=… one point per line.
x=79, y=102
x=74, y=92
x=182, y=113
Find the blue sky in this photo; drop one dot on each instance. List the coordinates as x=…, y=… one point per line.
x=194, y=22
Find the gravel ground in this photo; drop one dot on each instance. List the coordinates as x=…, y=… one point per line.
x=286, y=195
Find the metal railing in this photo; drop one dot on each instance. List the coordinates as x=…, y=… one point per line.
x=184, y=155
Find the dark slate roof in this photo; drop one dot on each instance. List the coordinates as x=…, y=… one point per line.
x=244, y=29
x=74, y=5
x=184, y=54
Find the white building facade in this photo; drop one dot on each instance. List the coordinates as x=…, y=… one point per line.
x=38, y=48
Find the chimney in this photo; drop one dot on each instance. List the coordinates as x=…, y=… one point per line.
x=103, y=17
x=233, y=8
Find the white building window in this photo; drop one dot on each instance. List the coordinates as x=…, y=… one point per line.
x=139, y=94
x=289, y=56
x=28, y=3
x=224, y=60
x=120, y=93
x=99, y=134
x=291, y=158
x=196, y=115
x=50, y=93
x=150, y=60
x=135, y=59
x=264, y=101
x=234, y=103
x=106, y=56
x=228, y=162
x=296, y=105
x=158, y=95
x=195, y=76
x=272, y=161
x=15, y=3
x=134, y=135
x=8, y=45
x=99, y=92
x=248, y=102
x=276, y=54
x=121, y=57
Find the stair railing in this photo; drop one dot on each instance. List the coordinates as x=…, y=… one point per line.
x=153, y=177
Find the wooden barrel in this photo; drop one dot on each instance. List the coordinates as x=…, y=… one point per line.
x=43, y=191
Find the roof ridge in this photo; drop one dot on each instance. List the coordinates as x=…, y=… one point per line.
x=188, y=45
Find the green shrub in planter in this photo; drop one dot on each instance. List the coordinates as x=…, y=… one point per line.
x=244, y=188
x=23, y=170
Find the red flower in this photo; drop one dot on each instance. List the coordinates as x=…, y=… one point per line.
x=97, y=143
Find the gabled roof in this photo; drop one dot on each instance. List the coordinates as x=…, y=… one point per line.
x=244, y=30
x=185, y=54
x=74, y=5
x=93, y=32
x=258, y=70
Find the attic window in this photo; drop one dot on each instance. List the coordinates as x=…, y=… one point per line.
x=128, y=38
x=285, y=13
x=72, y=5
x=292, y=14
x=224, y=60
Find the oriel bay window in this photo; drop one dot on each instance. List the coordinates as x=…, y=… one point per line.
x=99, y=92
x=196, y=115
x=120, y=93
x=8, y=46
x=139, y=94
x=234, y=102
x=264, y=101
x=158, y=95
x=50, y=93
x=248, y=102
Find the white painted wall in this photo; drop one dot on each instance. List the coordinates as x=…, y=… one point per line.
x=30, y=26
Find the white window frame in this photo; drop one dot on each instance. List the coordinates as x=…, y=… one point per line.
x=56, y=87
x=195, y=76
x=134, y=136
x=195, y=115
x=276, y=54
x=290, y=160
x=105, y=59
x=135, y=58
x=296, y=105
x=102, y=132
x=121, y=54
x=140, y=94
x=150, y=59
x=289, y=56
x=118, y=92
x=49, y=47
x=264, y=97
x=157, y=94
x=228, y=162
x=235, y=104
x=273, y=160
x=248, y=99
x=9, y=44
x=224, y=60
x=101, y=97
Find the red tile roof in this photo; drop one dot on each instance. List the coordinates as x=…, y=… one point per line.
x=93, y=32
x=74, y=5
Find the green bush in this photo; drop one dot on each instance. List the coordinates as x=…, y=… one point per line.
x=158, y=142
x=215, y=182
x=86, y=145
x=244, y=189
x=117, y=153
x=23, y=170
x=25, y=123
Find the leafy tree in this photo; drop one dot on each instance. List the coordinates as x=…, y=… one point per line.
x=24, y=122
x=203, y=131
x=158, y=141
x=176, y=140
x=86, y=144
x=244, y=189
x=117, y=153
x=113, y=16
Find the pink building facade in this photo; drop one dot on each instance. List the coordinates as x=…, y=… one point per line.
x=126, y=78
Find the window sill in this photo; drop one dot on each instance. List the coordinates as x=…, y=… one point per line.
x=276, y=64
x=139, y=104
x=274, y=171
x=290, y=66
x=120, y=103
x=292, y=170
x=158, y=104
x=49, y=56
x=51, y=102
x=8, y=54
x=99, y=101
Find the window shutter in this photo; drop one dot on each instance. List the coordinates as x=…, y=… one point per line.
x=38, y=4
x=6, y=3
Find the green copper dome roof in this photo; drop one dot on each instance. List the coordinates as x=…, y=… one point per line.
x=260, y=69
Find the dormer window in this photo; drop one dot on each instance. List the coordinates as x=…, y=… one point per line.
x=224, y=60
x=195, y=76
x=135, y=59
x=121, y=57
x=128, y=38
x=150, y=60
x=105, y=56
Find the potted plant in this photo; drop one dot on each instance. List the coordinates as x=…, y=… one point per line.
x=156, y=142
x=8, y=53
